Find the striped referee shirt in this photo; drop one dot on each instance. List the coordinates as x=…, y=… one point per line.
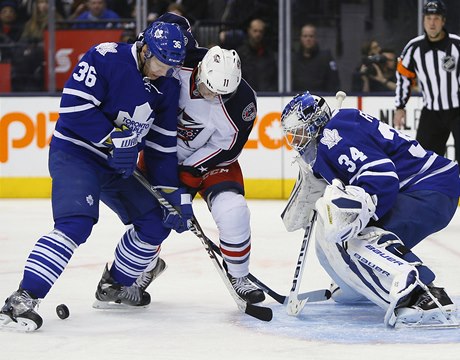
x=437, y=67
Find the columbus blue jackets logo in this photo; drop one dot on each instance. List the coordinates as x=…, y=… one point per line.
x=187, y=130
x=249, y=112
x=448, y=63
x=187, y=134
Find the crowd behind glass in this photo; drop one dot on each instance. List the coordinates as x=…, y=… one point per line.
x=253, y=33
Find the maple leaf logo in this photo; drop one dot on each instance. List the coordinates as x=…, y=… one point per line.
x=158, y=34
x=107, y=47
x=275, y=131
x=139, y=122
x=330, y=138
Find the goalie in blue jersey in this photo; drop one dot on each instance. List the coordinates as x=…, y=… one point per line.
x=378, y=194
x=120, y=99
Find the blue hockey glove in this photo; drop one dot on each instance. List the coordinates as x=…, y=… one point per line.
x=123, y=156
x=182, y=202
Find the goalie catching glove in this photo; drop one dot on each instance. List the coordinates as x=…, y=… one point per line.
x=182, y=202
x=345, y=210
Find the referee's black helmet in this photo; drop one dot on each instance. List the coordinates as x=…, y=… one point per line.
x=435, y=7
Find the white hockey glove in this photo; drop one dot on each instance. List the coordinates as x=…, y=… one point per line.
x=345, y=210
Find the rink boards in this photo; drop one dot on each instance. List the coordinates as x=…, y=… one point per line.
x=27, y=123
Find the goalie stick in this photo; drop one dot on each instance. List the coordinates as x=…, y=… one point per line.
x=294, y=303
x=340, y=96
x=258, y=312
x=309, y=296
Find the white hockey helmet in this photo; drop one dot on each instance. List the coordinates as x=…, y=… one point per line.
x=220, y=70
x=303, y=118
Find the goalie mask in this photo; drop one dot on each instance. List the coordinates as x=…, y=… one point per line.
x=303, y=118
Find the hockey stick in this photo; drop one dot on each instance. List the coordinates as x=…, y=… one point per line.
x=309, y=296
x=294, y=303
x=259, y=312
x=340, y=96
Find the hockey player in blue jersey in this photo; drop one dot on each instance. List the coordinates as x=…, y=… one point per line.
x=120, y=99
x=217, y=110
x=378, y=194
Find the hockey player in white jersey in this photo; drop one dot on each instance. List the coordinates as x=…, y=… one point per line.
x=120, y=99
x=217, y=110
x=378, y=193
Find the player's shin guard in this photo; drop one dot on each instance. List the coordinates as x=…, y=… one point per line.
x=232, y=217
x=132, y=256
x=46, y=262
x=231, y=214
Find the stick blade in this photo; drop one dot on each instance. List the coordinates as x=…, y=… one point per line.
x=295, y=306
x=259, y=312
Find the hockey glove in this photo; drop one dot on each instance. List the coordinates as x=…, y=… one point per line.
x=123, y=155
x=345, y=210
x=190, y=177
x=182, y=202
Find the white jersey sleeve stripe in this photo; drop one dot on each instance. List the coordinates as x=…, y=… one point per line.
x=79, y=143
x=375, y=173
x=367, y=166
x=436, y=172
x=163, y=131
x=422, y=170
x=74, y=109
x=160, y=148
x=82, y=94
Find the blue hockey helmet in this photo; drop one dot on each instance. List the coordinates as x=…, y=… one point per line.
x=435, y=7
x=303, y=118
x=166, y=42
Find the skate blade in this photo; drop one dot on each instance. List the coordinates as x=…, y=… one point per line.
x=429, y=323
x=427, y=326
x=21, y=324
x=111, y=305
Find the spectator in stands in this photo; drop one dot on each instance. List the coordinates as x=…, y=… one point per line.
x=97, y=11
x=385, y=73
x=377, y=72
x=24, y=9
x=71, y=9
x=124, y=8
x=312, y=68
x=28, y=61
x=258, y=61
x=10, y=29
x=34, y=27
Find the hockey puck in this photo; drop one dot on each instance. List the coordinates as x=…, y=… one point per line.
x=62, y=311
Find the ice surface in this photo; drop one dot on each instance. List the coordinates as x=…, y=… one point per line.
x=192, y=316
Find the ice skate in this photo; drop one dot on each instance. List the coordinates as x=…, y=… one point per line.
x=246, y=290
x=19, y=312
x=110, y=295
x=146, y=278
x=430, y=307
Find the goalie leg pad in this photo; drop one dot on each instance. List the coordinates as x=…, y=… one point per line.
x=367, y=267
x=231, y=214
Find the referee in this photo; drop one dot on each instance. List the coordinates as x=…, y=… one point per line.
x=434, y=59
